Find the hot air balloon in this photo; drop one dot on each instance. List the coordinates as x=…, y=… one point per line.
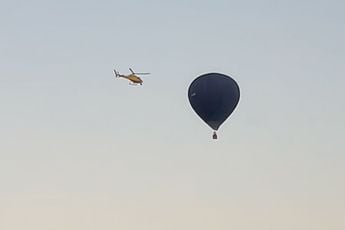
x=214, y=96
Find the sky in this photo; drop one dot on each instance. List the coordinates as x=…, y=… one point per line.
x=80, y=149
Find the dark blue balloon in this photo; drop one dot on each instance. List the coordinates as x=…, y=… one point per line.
x=213, y=97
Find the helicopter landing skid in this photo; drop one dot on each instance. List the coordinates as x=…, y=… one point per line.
x=134, y=84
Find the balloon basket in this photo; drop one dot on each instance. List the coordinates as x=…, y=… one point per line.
x=214, y=136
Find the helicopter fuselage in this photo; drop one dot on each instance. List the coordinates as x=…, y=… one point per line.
x=133, y=78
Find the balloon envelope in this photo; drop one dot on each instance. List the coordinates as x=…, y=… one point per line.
x=213, y=97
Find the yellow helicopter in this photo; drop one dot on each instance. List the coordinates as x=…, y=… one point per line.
x=133, y=77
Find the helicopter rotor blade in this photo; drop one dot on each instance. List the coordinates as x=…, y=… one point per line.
x=142, y=73
x=138, y=73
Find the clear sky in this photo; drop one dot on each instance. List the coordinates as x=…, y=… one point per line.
x=80, y=149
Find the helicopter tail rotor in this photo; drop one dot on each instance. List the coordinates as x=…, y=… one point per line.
x=116, y=73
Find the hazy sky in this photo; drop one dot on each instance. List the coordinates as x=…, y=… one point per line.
x=80, y=149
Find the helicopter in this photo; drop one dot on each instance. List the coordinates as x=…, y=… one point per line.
x=133, y=77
